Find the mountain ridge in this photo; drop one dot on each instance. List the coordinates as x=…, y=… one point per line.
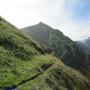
x=21, y=60
x=62, y=46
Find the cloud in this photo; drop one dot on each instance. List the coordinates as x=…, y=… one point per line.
x=79, y=9
x=19, y=12
x=78, y=24
x=72, y=17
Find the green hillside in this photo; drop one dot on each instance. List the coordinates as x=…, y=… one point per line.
x=62, y=46
x=24, y=65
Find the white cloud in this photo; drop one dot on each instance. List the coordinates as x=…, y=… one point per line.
x=53, y=12
x=19, y=12
x=75, y=31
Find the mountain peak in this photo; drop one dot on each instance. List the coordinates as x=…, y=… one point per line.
x=41, y=23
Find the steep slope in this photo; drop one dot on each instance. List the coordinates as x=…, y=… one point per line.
x=26, y=66
x=82, y=46
x=59, y=44
x=85, y=48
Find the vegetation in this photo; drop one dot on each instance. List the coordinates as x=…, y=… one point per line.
x=25, y=65
x=60, y=45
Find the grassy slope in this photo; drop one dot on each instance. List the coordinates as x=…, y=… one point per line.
x=62, y=46
x=24, y=64
x=56, y=77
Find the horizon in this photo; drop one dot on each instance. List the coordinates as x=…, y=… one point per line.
x=70, y=17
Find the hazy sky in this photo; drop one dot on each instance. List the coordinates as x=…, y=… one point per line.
x=72, y=17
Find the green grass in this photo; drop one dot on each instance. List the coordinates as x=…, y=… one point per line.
x=23, y=64
x=56, y=77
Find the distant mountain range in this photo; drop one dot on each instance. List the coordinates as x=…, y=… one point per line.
x=84, y=45
x=87, y=42
x=60, y=45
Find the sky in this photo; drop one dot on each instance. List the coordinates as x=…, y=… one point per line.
x=72, y=17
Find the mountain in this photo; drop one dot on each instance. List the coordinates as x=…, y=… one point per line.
x=24, y=65
x=87, y=42
x=83, y=46
x=60, y=45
